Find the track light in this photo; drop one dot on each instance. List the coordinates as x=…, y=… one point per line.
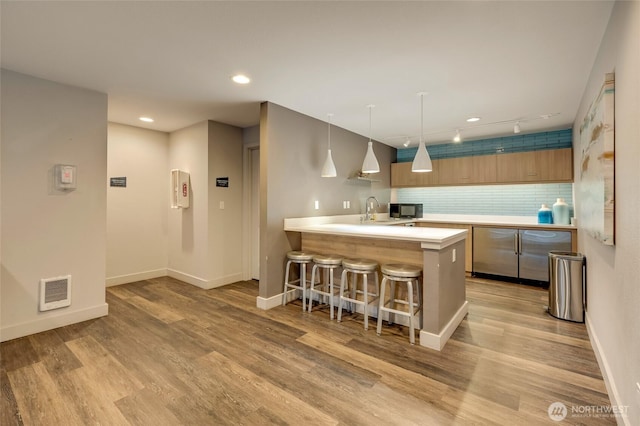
x=457, y=138
x=516, y=127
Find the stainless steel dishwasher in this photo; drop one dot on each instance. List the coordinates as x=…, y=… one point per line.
x=520, y=254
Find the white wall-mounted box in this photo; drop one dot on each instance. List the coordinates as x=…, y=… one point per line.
x=180, y=189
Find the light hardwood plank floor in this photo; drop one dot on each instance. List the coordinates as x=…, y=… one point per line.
x=170, y=353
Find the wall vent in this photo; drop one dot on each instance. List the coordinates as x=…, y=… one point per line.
x=55, y=293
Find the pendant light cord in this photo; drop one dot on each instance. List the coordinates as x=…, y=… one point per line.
x=329, y=131
x=370, y=108
x=421, y=115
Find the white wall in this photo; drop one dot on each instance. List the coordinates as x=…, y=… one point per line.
x=225, y=221
x=137, y=241
x=613, y=316
x=205, y=241
x=189, y=228
x=48, y=233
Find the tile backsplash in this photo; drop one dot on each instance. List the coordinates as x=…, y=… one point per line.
x=506, y=144
x=512, y=200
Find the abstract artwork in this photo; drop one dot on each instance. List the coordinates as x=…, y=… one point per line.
x=596, y=188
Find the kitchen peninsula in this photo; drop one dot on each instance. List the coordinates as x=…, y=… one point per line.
x=438, y=251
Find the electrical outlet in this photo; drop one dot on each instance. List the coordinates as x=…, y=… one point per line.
x=453, y=255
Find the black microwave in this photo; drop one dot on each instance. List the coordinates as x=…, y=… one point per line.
x=403, y=210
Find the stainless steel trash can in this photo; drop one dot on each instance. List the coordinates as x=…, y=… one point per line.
x=567, y=285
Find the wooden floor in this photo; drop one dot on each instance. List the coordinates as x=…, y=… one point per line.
x=170, y=353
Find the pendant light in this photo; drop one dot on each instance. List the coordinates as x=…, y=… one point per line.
x=422, y=161
x=370, y=163
x=329, y=169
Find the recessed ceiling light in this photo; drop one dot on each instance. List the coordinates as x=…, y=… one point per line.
x=473, y=119
x=241, y=79
x=146, y=119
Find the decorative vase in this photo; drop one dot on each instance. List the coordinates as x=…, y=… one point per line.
x=561, y=212
x=545, y=215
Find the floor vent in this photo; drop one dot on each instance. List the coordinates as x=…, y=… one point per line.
x=55, y=293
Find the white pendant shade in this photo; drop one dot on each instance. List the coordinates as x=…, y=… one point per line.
x=422, y=161
x=329, y=169
x=370, y=163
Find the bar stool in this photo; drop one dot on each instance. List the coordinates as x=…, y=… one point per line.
x=301, y=259
x=329, y=263
x=357, y=267
x=400, y=273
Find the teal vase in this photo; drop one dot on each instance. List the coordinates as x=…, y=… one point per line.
x=561, y=212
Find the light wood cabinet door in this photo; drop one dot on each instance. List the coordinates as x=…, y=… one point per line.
x=468, y=170
x=551, y=165
x=556, y=165
x=403, y=177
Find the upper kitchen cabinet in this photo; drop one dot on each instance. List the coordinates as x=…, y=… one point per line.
x=468, y=170
x=550, y=165
x=403, y=177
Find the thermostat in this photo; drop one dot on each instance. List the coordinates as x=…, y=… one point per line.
x=65, y=177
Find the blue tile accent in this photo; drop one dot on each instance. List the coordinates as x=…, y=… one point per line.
x=503, y=200
x=517, y=143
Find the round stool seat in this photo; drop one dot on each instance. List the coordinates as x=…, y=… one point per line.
x=360, y=264
x=327, y=259
x=300, y=256
x=401, y=270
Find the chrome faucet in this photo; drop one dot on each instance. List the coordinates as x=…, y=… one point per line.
x=369, y=205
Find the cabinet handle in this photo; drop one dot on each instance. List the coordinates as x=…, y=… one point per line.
x=519, y=244
x=515, y=243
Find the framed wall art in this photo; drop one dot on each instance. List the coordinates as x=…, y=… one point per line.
x=597, y=169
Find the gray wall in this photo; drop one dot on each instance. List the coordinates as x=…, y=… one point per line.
x=293, y=149
x=205, y=244
x=613, y=286
x=48, y=233
x=225, y=221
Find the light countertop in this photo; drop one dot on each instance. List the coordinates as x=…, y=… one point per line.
x=383, y=219
x=430, y=238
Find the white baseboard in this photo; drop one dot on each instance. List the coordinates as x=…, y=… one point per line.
x=610, y=384
x=269, y=302
x=219, y=282
x=138, y=276
x=49, y=322
x=203, y=283
x=187, y=278
x=437, y=341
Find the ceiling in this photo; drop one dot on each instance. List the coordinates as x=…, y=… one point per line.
x=501, y=61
